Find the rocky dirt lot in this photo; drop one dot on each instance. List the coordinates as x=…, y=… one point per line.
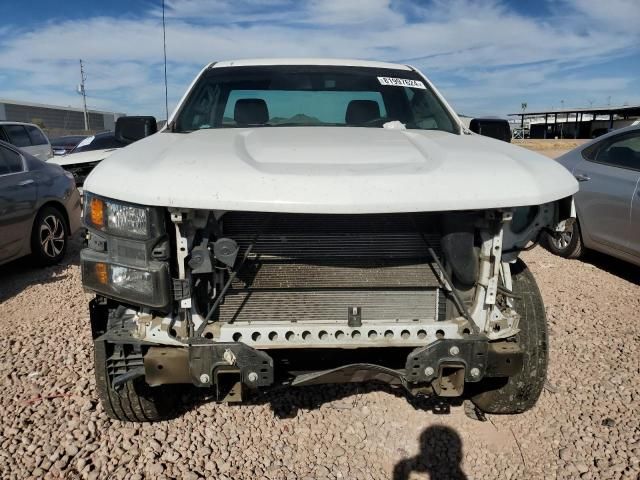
x=586, y=425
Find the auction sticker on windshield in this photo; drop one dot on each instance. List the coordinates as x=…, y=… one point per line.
x=401, y=82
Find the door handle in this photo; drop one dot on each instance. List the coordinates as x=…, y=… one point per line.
x=24, y=183
x=582, y=178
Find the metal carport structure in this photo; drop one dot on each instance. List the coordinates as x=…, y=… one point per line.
x=623, y=112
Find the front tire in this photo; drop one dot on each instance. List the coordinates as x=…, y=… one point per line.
x=49, y=237
x=135, y=401
x=521, y=391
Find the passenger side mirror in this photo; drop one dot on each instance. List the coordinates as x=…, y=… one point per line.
x=132, y=129
x=491, y=127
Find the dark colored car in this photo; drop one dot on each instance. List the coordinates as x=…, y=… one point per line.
x=99, y=141
x=39, y=207
x=94, y=149
x=64, y=145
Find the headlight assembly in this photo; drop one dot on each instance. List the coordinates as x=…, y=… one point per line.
x=118, y=261
x=119, y=218
x=149, y=286
x=125, y=278
x=127, y=219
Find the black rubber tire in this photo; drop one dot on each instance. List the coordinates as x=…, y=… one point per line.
x=573, y=249
x=52, y=251
x=136, y=401
x=521, y=392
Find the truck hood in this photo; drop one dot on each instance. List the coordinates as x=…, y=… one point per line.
x=82, y=157
x=329, y=170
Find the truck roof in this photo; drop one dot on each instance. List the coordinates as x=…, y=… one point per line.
x=307, y=61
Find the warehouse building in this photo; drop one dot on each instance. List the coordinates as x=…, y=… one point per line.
x=577, y=122
x=56, y=118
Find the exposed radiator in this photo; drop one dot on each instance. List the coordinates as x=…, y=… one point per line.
x=330, y=306
x=333, y=245
x=314, y=268
x=369, y=274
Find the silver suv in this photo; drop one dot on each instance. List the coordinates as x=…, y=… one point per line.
x=27, y=137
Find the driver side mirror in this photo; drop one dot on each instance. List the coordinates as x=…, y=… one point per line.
x=132, y=129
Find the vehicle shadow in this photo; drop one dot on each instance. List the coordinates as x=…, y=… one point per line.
x=440, y=456
x=625, y=270
x=21, y=273
x=286, y=402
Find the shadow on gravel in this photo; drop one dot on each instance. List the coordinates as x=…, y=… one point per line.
x=286, y=402
x=440, y=456
x=625, y=270
x=21, y=273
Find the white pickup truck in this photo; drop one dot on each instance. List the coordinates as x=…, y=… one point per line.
x=302, y=222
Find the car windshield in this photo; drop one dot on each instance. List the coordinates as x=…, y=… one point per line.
x=237, y=97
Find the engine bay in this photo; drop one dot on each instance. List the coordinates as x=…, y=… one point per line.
x=274, y=280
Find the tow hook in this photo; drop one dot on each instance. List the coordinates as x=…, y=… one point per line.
x=450, y=380
x=228, y=383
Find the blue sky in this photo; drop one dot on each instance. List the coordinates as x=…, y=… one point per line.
x=486, y=57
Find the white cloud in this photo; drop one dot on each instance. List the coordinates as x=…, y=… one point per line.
x=483, y=50
x=353, y=13
x=621, y=16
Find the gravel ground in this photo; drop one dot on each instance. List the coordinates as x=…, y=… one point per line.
x=586, y=424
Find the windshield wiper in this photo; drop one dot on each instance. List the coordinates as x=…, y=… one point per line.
x=374, y=122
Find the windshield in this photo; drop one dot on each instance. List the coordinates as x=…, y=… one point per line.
x=237, y=97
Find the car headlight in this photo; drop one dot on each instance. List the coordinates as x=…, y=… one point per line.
x=124, y=278
x=120, y=218
x=148, y=286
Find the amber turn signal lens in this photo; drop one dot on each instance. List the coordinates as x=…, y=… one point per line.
x=102, y=274
x=97, y=212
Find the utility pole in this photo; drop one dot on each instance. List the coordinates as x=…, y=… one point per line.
x=164, y=44
x=82, y=92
